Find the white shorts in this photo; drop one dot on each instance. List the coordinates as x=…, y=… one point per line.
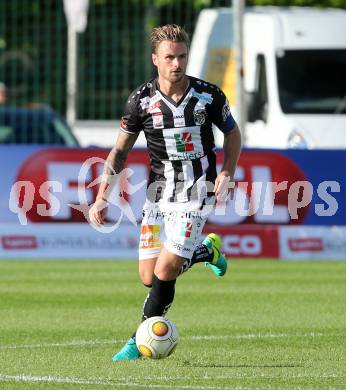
x=178, y=226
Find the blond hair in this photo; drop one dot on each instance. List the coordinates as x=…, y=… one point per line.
x=169, y=32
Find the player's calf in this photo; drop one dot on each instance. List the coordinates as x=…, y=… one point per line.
x=159, y=298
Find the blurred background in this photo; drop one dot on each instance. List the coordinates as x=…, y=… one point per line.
x=113, y=51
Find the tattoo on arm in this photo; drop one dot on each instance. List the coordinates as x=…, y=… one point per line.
x=117, y=157
x=115, y=161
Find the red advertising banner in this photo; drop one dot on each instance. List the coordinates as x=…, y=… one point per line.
x=51, y=176
x=248, y=241
x=287, y=204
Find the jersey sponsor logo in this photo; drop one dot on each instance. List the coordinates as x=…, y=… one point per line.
x=157, y=97
x=199, y=116
x=153, y=107
x=183, y=142
x=203, y=96
x=150, y=237
x=186, y=156
x=157, y=120
x=179, y=120
x=156, y=215
x=147, y=101
x=226, y=111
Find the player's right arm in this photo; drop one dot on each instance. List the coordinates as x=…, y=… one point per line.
x=114, y=164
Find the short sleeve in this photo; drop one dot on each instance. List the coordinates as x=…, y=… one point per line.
x=130, y=121
x=221, y=114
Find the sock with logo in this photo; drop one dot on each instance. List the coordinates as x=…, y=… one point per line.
x=159, y=298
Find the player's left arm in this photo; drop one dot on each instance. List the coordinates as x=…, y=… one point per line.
x=222, y=117
x=231, y=152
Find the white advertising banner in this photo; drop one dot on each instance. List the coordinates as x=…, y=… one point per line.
x=81, y=241
x=67, y=241
x=312, y=242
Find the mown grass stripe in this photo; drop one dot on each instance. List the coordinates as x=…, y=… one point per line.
x=79, y=343
x=80, y=381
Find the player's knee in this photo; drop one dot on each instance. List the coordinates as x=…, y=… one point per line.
x=168, y=265
x=168, y=271
x=146, y=277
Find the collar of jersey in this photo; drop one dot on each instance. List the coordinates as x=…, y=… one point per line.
x=176, y=104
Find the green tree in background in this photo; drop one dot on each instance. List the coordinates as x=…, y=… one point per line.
x=114, y=51
x=105, y=91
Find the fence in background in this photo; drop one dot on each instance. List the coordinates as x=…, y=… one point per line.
x=113, y=54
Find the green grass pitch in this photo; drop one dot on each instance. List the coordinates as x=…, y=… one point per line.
x=265, y=325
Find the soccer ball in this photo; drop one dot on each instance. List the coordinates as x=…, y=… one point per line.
x=157, y=338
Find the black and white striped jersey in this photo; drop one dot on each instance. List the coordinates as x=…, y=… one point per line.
x=179, y=135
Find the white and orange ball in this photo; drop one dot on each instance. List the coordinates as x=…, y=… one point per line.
x=157, y=337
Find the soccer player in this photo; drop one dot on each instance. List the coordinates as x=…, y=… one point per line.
x=176, y=113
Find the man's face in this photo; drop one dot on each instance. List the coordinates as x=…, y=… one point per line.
x=171, y=60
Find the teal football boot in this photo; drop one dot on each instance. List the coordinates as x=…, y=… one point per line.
x=128, y=352
x=219, y=262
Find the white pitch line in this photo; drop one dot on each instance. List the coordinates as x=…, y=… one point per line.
x=50, y=378
x=55, y=379
x=255, y=336
x=79, y=343
x=243, y=376
x=72, y=343
x=120, y=383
